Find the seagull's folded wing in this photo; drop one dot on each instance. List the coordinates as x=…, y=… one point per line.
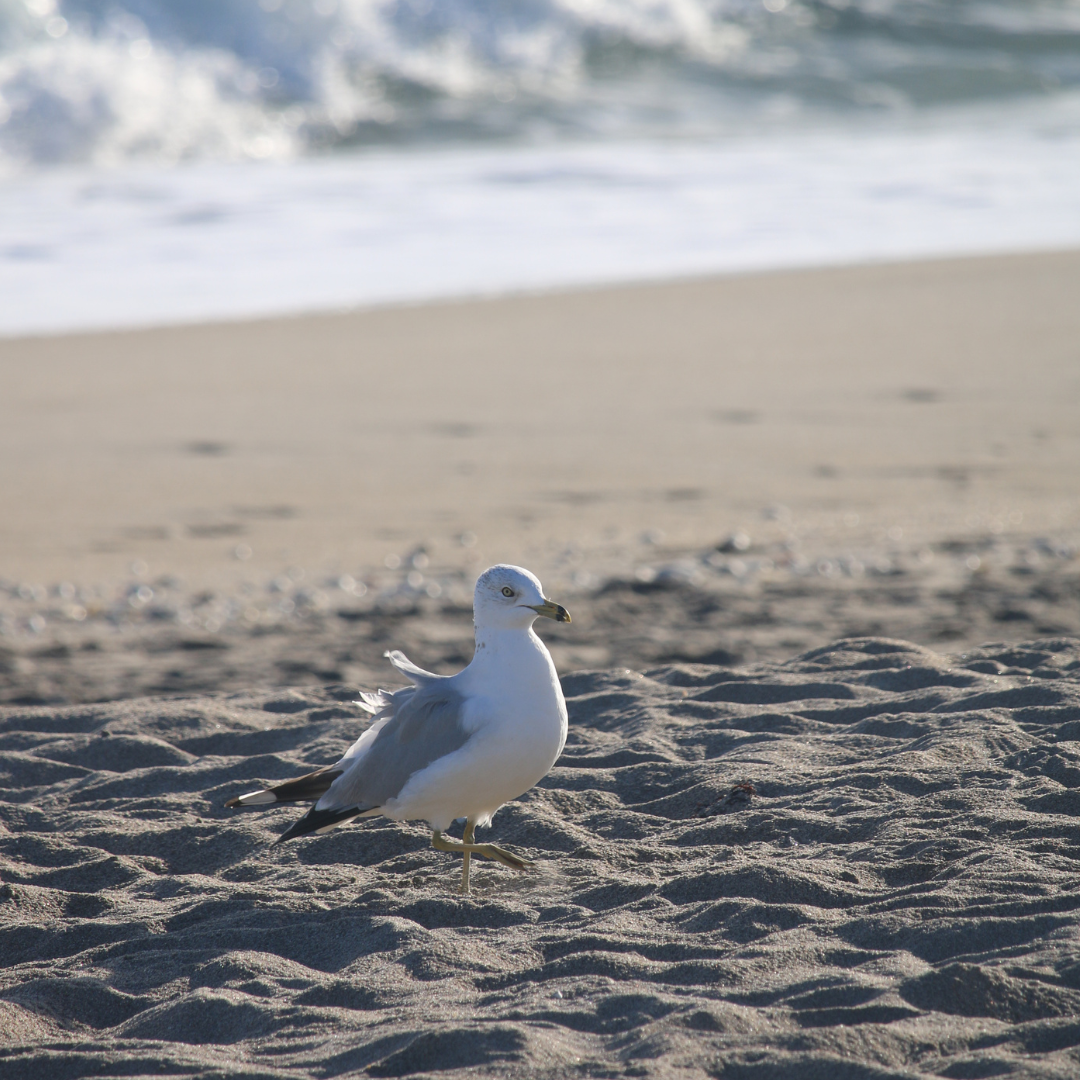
x=413, y=728
x=426, y=724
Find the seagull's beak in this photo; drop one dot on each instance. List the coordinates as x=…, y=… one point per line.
x=550, y=610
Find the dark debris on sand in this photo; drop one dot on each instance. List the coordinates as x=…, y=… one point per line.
x=858, y=863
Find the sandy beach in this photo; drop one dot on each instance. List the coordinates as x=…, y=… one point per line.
x=859, y=862
x=725, y=470
x=819, y=533
x=930, y=397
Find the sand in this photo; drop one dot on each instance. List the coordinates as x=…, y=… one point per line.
x=932, y=397
x=819, y=535
x=725, y=470
x=770, y=600
x=859, y=863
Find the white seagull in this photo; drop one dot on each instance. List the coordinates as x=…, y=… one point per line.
x=455, y=746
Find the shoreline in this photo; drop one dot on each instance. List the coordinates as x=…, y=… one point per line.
x=482, y=296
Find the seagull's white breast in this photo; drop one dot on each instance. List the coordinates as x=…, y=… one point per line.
x=514, y=708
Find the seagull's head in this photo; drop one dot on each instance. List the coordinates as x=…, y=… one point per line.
x=510, y=597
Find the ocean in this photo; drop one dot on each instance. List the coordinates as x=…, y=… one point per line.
x=168, y=161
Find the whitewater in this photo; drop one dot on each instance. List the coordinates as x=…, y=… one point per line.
x=166, y=162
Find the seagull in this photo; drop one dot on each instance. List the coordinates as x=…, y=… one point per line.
x=450, y=747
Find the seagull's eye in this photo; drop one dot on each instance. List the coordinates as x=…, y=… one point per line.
x=507, y=591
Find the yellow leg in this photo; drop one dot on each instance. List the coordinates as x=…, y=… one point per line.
x=467, y=838
x=487, y=851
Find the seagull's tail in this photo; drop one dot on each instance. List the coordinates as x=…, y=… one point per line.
x=321, y=821
x=312, y=786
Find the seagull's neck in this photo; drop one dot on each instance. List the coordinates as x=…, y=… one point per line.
x=509, y=662
x=497, y=642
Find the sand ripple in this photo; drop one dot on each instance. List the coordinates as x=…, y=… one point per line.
x=858, y=863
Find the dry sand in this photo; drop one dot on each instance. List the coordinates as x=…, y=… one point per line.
x=211, y=534
x=769, y=601
x=861, y=863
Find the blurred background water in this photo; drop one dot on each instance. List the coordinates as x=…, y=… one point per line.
x=166, y=160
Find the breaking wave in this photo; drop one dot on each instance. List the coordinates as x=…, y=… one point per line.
x=103, y=82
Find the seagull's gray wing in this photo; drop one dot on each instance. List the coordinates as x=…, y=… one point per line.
x=425, y=725
x=411, y=728
x=417, y=726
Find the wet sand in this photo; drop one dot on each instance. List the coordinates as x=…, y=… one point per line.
x=937, y=398
x=726, y=470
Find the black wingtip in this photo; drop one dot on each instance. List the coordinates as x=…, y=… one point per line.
x=315, y=819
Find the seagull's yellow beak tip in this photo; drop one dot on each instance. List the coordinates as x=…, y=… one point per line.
x=550, y=610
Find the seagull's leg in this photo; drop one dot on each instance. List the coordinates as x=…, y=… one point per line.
x=467, y=839
x=487, y=851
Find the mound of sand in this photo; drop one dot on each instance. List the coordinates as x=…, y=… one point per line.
x=857, y=863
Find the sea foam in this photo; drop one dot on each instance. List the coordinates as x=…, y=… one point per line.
x=176, y=160
x=142, y=246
